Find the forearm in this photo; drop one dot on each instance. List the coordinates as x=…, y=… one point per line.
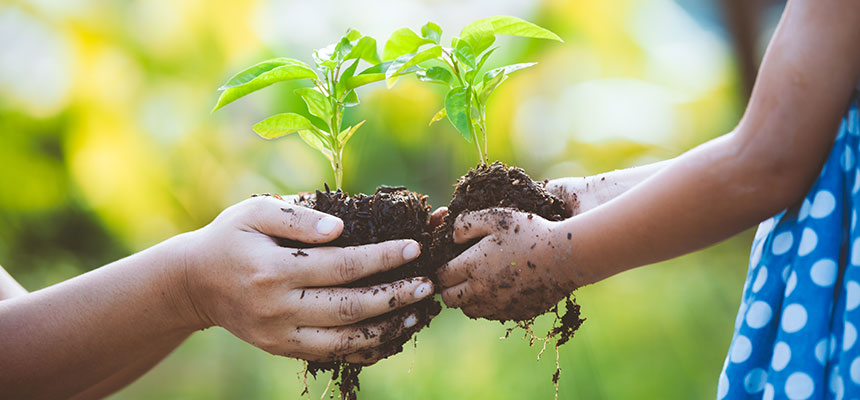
x=582, y=194
x=9, y=287
x=706, y=196
x=157, y=351
x=62, y=340
x=729, y=184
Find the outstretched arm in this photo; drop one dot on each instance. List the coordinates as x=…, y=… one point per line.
x=9, y=287
x=706, y=195
x=581, y=194
x=92, y=334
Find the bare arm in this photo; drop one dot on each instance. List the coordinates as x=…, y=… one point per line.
x=9, y=287
x=707, y=194
x=731, y=183
x=155, y=349
x=581, y=194
x=81, y=331
x=90, y=335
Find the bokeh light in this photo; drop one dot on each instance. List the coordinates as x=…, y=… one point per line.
x=107, y=146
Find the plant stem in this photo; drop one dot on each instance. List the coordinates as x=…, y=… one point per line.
x=454, y=67
x=483, y=125
x=334, y=131
x=477, y=142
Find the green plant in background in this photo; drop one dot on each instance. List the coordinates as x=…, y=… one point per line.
x=459, y=68
x=335, y=81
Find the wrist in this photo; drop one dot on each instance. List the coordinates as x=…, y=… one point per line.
x=177, y=281
x=573, y=270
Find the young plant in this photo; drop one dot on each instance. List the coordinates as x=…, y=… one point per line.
x=459, y=67
x=335, y=80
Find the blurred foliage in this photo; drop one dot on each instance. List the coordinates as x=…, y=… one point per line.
x=107, y=146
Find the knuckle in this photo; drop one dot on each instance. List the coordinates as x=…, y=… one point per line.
x=263, y=311
x=267, y=342
x=349, y=268
x=298, y=217
x=343, y=344
x=255, y=205
x=389, y=256
x=349, y=310
x=261, y=280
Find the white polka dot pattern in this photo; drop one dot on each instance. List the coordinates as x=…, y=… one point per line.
x=796, y=333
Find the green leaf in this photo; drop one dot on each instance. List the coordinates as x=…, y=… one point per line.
x=438, y=116
x=325, y=57
x=317, y=141
x=365, y=49
x=349, y=71
x=506, y=25
x=494, y=77
x=404, y=62
x=340, y=87
x=344, y=136
x=484, y=58
x=479, y=40
x=507, y=69
x=402, y=41
x=464, y=54
x=261, y=75
x=470, y=76
x=282, y=124
x=432, y=31
x=342, y=48
x=488, y=86
x=372, y=74
x=458, y=108
x=248, y=74
x=318, y=104
x=437, y=75
x=351, y=99
x=352, y=35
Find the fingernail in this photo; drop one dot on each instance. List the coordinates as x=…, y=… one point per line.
x=411, y=251
x=423, y=290
x=410, y=321
x=326, y=225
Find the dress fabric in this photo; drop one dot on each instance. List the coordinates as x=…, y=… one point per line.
x=795, y=336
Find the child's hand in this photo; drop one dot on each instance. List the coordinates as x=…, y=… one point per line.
x=285, y=301
x=580, y=194
x=515, y=272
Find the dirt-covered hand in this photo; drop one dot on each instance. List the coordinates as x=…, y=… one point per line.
x=437, y=217
x=286, y=300
x=514, y=272
x=579, y=194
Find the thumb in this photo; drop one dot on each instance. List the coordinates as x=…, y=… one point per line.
x=477, y=224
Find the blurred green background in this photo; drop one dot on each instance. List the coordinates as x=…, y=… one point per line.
x=107, y=146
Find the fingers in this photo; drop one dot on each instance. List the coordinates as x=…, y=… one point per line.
x=453, y=273
x=437, y=217
x=460, y=268
x=330, y=307
x=457, y=296
x=338, y=342
x=481, y=223
x=333, y=266
x=275, y=217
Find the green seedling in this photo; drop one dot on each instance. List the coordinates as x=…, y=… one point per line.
x=459, y=68
x=334, y=81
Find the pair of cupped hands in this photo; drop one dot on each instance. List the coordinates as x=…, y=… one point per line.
x=292, y=302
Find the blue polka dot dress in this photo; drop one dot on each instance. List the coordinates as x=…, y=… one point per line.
x=796, y=332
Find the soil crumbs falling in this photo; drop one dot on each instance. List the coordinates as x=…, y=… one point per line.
x=497, y=185
x=390, y=213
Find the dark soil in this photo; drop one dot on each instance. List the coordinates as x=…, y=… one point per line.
x=497, y=185
x=390, y=213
